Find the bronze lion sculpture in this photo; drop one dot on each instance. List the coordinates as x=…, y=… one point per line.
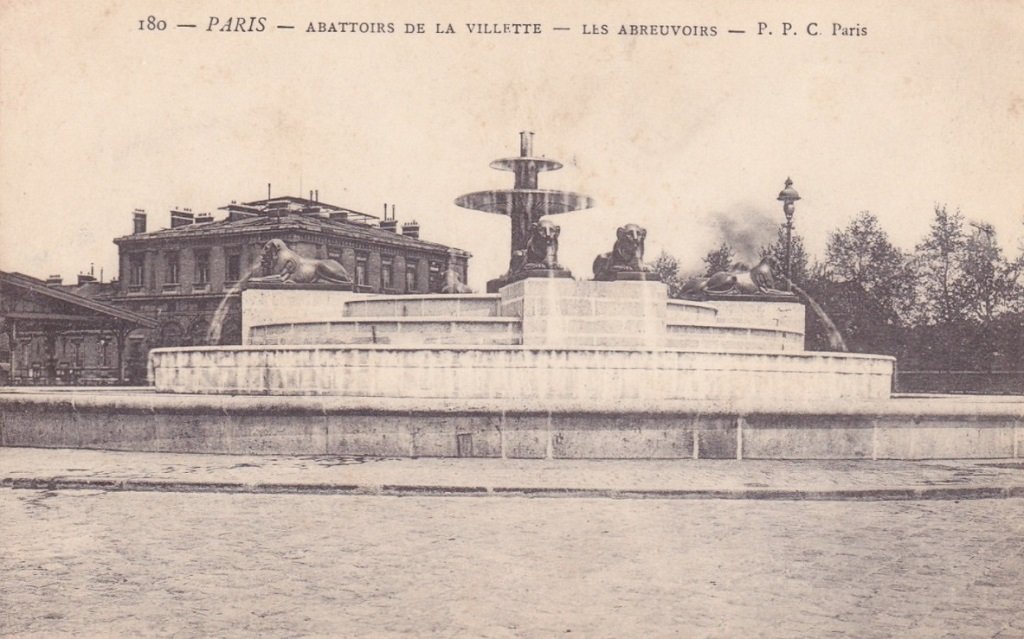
x=453, y=283
x=627, y=255
x=285, y=265
x=739, y=281
x=542, y=246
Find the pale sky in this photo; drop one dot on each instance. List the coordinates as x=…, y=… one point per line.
x=98, y=118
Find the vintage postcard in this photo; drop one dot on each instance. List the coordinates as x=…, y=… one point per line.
x=511, y=319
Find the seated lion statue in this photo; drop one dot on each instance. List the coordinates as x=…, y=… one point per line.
x=627, y=255
x=542, y=246
x=285, y=265
x=739, y=281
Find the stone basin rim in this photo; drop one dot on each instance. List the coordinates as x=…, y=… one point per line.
x=514, y=349
x=920, y=406
x=498, y=319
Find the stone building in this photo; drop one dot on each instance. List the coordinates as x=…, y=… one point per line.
x=187, y=278
x=56, y=334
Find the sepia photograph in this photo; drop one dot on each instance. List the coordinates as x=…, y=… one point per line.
x=604, y=319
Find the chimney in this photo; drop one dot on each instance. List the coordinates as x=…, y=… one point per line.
x=204, y=218
x=54, y=280
x=138, y=221
x=389, y=225
x=181, y=218
x=85, y=279
x=411, y=229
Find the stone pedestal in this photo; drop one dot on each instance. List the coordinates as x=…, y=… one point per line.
x=282, y=304
x=636, y=276
x=570, y=313
x=785, y=313
x=495, y=285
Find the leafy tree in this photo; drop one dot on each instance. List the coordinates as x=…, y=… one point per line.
x=667, y=266
x=989, y=289
x=800, y=268
x=720, y=259
x=988, y=283
x=862, y=254
x=939, y=261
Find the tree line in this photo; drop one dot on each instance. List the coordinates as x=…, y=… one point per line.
x=954, y=303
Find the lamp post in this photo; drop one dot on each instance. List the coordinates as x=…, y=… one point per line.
x=788, y=196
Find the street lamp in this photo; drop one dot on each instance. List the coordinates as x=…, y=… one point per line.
x=788, y=196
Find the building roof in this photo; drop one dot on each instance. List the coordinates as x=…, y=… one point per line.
x=289, y=220
x=87, y=310
x=293, y=203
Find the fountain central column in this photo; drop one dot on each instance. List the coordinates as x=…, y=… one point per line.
x=525, y=204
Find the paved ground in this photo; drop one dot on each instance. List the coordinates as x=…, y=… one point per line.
x=61, y=468
x=129, y=564
x=199, y=546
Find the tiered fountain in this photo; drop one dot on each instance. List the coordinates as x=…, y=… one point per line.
x=539, y=336
x=543, y=366
x=525, y=205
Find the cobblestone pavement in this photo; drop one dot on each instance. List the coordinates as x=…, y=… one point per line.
x=127, y=564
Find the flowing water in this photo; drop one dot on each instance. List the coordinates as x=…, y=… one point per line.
x=835, y=338
x=217, y=323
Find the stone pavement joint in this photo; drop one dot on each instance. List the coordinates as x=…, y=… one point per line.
x=893, y=494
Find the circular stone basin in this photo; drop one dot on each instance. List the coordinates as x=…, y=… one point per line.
x=517, y=372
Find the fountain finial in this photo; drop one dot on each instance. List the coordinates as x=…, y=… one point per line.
x=525, y=144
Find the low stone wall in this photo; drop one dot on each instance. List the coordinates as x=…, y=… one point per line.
x=737, y=339
x=434, y=305
x=283, y=305
x=518, y=372
x=896, y=429
x=785, y=315
x=467, y=330
x=680, y=311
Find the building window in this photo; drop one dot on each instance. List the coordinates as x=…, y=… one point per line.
x=387, y=273
x=233, y=267
x=361, y=259
x=136, y=271
x=436, y=276
x=171, y=268
x=411, y=266
x=202, y=267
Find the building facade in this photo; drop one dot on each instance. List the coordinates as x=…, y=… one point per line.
x=188, y=278
x=54, y=334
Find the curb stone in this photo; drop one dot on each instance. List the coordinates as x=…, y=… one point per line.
x=398, y=490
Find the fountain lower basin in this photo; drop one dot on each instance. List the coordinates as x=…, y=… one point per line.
x=538, y=339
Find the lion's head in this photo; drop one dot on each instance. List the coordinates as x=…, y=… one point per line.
x=544, y=231
x=630, y=242
x=271, y=250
